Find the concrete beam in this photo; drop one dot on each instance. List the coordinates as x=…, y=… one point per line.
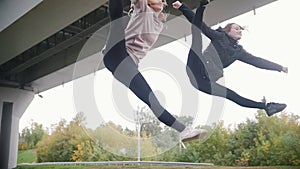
x=12, y=10
x=44, y=20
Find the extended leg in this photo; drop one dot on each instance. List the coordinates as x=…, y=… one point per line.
x=216, y=89
x=196, y=31
x=116, y=35
x=128, y=74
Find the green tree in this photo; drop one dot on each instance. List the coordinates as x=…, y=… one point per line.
x=278, y=140
x=30, y=136
x=241, y=142
x=68, y=142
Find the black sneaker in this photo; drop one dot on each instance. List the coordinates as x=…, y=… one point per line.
x=273, y=108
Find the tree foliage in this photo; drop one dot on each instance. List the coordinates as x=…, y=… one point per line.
x=66, y=143
x=30, y=136
x=264, y=141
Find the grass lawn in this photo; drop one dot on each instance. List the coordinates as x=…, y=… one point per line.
x=26, y=156
x=29, y=156
x=144, y=167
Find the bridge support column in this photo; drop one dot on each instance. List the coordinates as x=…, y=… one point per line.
x=13, y=103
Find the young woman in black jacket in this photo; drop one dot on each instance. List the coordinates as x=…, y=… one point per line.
x=204, y=69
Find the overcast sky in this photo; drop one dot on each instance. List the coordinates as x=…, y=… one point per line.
x=272, y=34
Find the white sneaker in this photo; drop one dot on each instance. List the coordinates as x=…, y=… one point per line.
x=189, y=134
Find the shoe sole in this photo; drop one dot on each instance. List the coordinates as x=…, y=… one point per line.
x=200, y=135
x=191, y=138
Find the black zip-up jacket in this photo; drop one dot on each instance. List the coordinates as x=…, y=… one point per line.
x=227, y=49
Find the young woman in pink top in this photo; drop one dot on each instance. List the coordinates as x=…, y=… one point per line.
x=126, y=45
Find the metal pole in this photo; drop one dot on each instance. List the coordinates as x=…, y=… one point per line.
x=139, y=135
x=139, y=141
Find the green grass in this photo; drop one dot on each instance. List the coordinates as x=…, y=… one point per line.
x=26, y=156
x=144, y=167
x=29, y=156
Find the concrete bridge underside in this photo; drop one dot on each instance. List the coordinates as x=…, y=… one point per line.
x=41, y=40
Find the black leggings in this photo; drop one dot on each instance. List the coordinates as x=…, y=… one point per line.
x=195, y=69
x=123, y=68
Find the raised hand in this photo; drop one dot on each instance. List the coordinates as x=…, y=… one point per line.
x=176, y=4
x=285, y=69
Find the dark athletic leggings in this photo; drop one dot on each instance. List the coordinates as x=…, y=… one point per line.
x=195, y=69
x=125, y=70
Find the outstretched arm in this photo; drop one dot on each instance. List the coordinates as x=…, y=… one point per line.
x=189, y=14
x=186, y=11
x=262, y=63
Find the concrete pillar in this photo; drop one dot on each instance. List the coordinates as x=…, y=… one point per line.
x=13, y=103
x=6, y=121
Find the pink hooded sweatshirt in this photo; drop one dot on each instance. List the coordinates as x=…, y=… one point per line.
x=142, y=30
